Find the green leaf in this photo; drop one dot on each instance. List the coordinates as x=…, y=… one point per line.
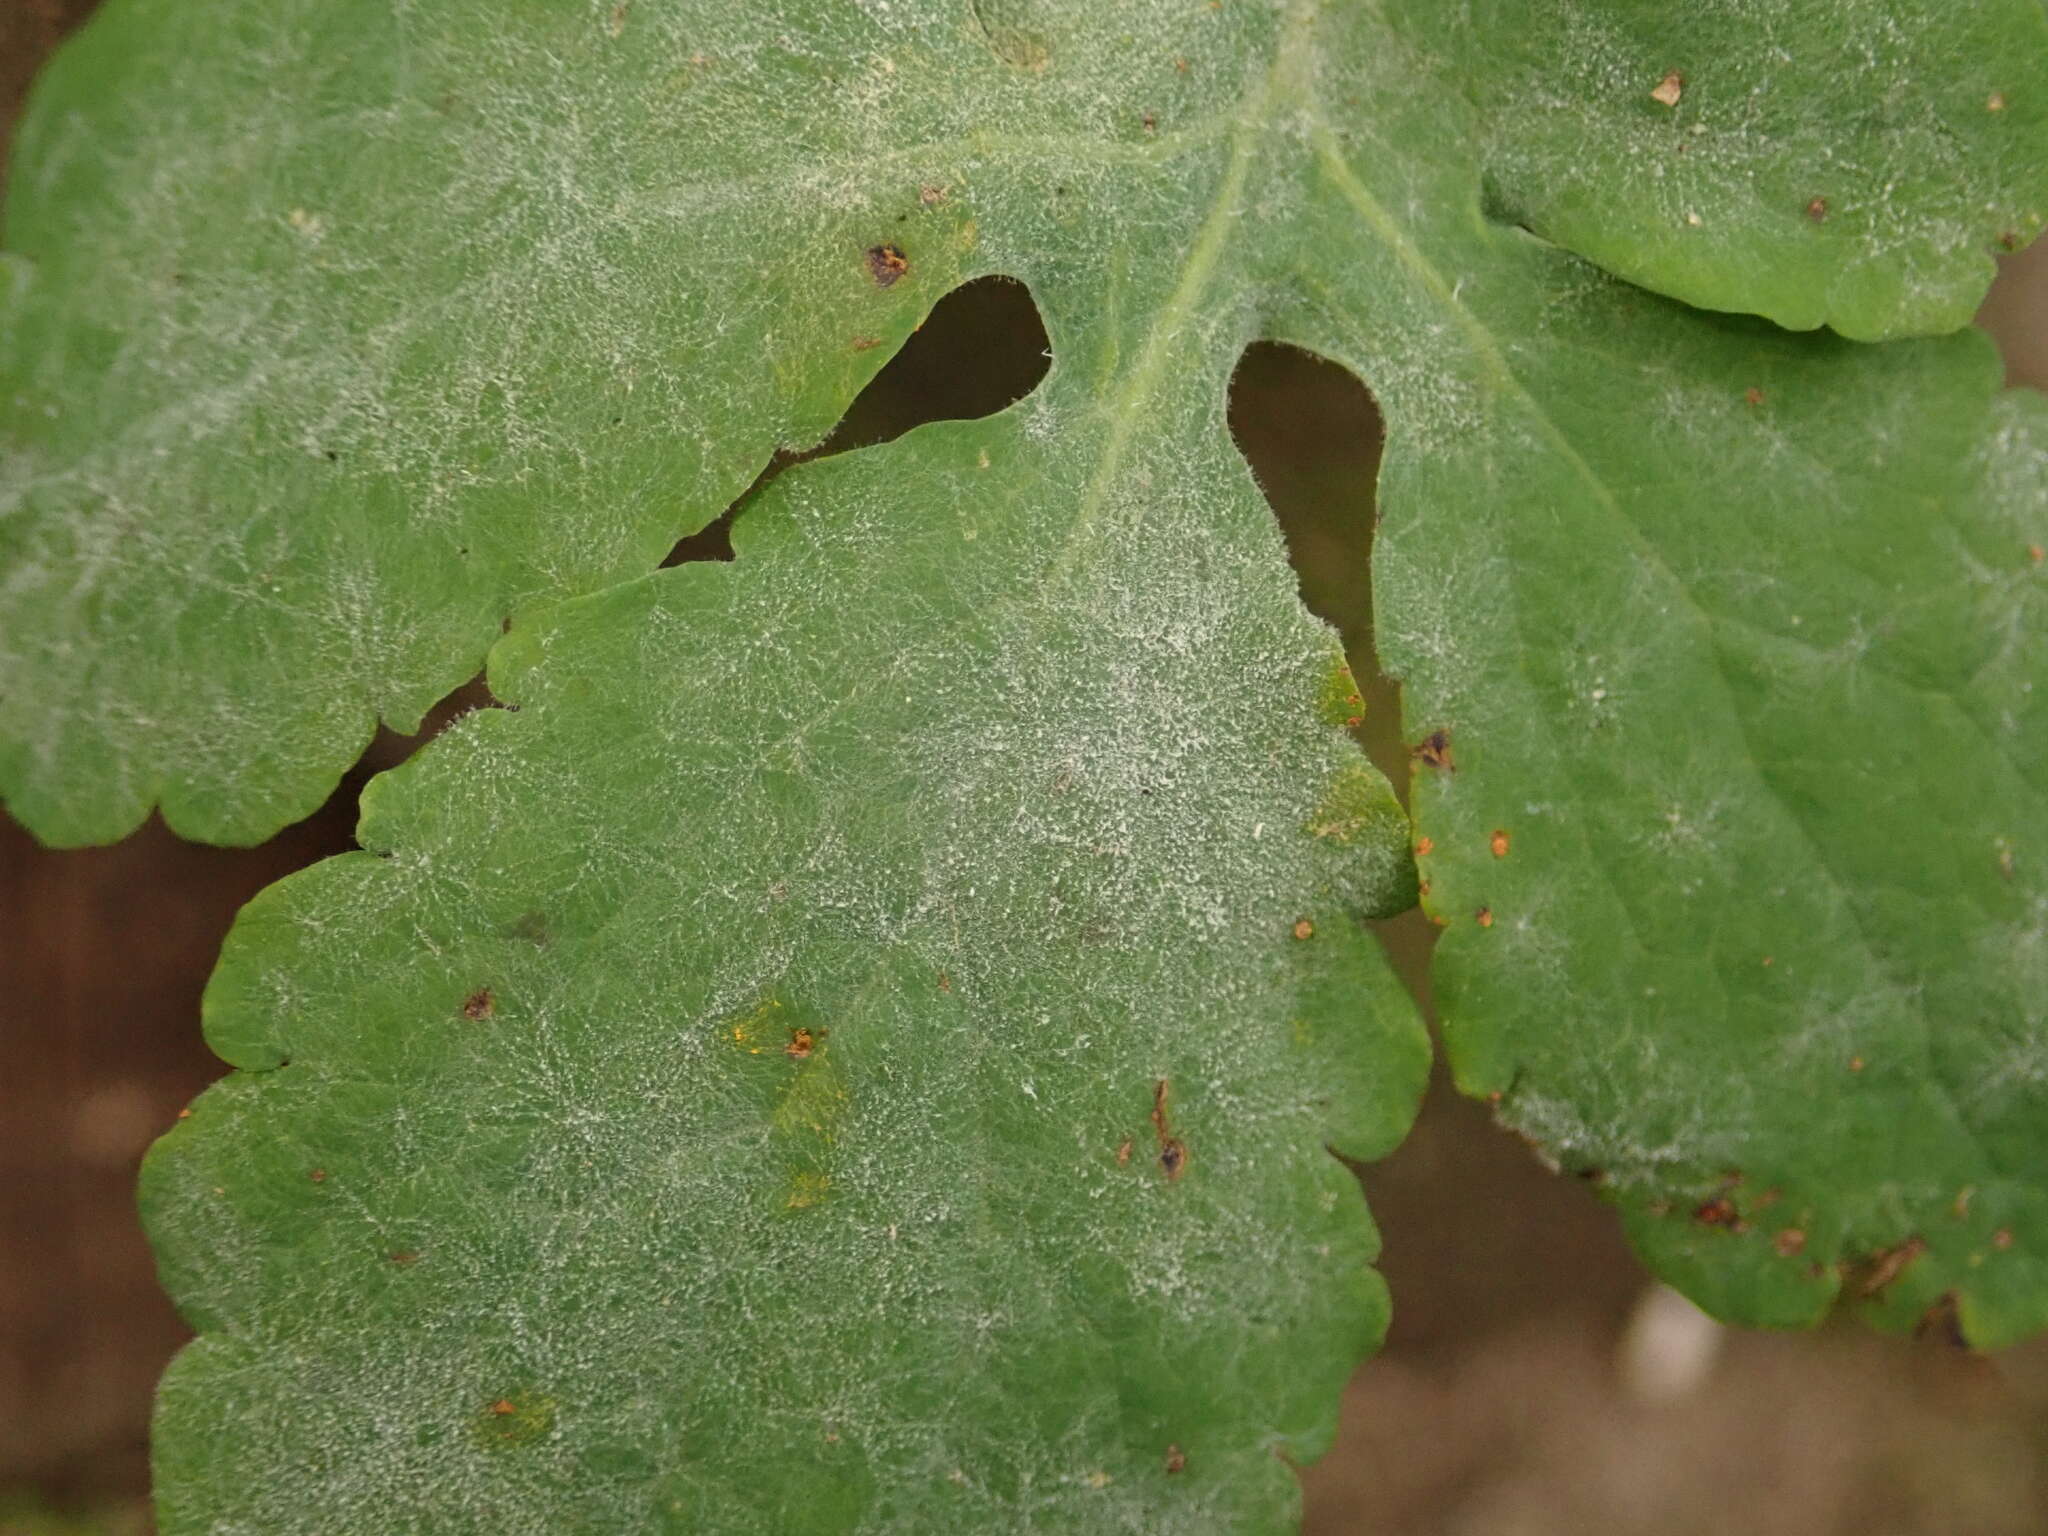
x=994, y=791
x=856, y=1049
x=1739, y=817
x=337, y=332
x=1818, y=163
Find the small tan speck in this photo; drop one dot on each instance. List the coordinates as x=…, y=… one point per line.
x=1304, y=929
x=1693, y=219
x=1995, y=102
x=1669, y=89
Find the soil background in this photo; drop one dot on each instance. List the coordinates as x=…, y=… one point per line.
x=1536, y=1383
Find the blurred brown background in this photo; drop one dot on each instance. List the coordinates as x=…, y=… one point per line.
x=1535, y=1383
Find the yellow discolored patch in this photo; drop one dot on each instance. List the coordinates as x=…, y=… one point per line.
x=1339, y=702
x=513, y=1419
x=807, y=1188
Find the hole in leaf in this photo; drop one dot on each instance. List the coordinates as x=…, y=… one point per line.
x=982, y=349
x=1313, y=436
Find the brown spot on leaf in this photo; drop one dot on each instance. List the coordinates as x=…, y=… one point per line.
x=1499, y=843
x=1424, y=847
x=1817, y=210
x=1173, y=1152
x=803, y=1041
x=1669, y=89
x=1855, y=1063
x=1176, y=1458
x=318, y=1175
x=931, y=195
x=1150, y=121
x=405, y=1258
x=866, y=343
x=2002, y=1239
x=886, y=263
x=479, y=1004
x=1123, y=1153
x=1484, y=917
x=945, y=982
x=1789, y=1243
x=1753, y=395
x=1887, y=1264
x=1717, y=1212
x=1435, y=751
x=617, y=24
x=1995, y=102
x=2037, y=553
x=1304, y=929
